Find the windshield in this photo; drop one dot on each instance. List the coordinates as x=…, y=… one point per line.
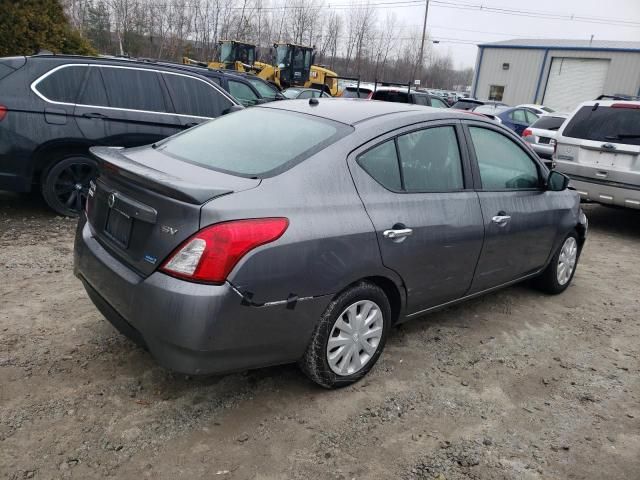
x=226, y=52
x=282, y=56
x=618, y=124
x=251, y=143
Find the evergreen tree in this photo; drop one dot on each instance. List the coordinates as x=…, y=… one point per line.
x=27, y=26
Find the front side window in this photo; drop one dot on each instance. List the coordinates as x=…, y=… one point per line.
x=503, y=164
x=306, y=94
x=270, y=140
x=421, y=100
x=243, y=93
x=194, y=97
x=531, y=117
x=496, y=92
x=381, y=162
x=263, y=88
x=518, y=116
x=437, y=103
x=430, y=160
x=63, y=85
x=133, y=89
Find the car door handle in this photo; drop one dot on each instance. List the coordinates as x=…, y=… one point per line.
x=94, y=115
x=501, y=220
x=396, y=234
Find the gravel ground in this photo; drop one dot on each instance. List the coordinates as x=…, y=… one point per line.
x=515, y=385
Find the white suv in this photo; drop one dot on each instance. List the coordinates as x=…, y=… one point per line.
x=598, y=147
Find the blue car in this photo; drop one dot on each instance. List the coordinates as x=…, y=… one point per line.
x=515, y=118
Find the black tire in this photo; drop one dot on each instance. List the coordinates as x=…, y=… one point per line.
x=548, y=280
x=66, y=183
x=315, y=363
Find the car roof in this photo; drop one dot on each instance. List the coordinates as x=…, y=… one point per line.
x=608, y=103
x=353, y=111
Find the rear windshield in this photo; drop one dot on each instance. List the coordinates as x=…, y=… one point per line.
x=464, y=105
x=256, y=142
x=606, y=124
x=352, y=92
x=549, y=123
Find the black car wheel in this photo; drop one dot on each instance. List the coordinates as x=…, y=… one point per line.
x=349, y=337
x=66, y=184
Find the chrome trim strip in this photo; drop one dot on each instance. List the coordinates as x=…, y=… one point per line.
x=35, y=83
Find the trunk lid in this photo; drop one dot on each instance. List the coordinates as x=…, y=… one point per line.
x=145, y=203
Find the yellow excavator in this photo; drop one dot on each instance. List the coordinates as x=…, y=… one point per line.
x=293, y=65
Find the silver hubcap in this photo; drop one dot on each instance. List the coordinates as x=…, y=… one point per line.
x=355, y=337
x=567, y=260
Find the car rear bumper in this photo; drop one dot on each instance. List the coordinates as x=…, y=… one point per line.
x=193, y=328
x=601, y=192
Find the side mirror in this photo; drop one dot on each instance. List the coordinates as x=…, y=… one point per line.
x=556, y=181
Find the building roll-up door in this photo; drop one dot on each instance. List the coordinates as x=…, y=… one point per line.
x=574, y=80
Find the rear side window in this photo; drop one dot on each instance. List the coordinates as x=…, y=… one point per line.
x=63, y=85
x=421, y=100
x=133, y=89
x=194, y=97
x=503, y=164
x=255, y=141
x=549, y=123
x=518, y=116
x=606, y=124
x=381, y=163
x=93, y=92
x=430, y=160
x=462, y=105
x=352, y=92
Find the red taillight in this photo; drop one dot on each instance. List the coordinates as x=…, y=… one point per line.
x=3, y=112
x=634, y=106
x=210, y=255
x=527, y=132
x=370, y=96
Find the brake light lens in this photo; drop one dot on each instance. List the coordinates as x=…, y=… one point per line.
x=633, y=106
x=527, y=132
x=370, y=96
x=210, y=255
x=3, y=112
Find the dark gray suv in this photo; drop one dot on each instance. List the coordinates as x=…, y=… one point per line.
x=308, y=246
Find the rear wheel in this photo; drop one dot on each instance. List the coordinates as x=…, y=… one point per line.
x=65, y=185
x=349, y=337
x=559, y=273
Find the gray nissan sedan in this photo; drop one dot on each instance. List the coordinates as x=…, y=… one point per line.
x=303, y=231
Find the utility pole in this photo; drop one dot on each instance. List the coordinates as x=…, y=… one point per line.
x=418, y=69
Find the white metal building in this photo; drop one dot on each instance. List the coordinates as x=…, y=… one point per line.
x=556, y=73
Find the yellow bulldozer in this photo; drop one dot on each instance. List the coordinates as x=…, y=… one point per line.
x=293, y=65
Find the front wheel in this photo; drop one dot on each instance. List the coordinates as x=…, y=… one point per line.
x=559, y=273
x=349, y=337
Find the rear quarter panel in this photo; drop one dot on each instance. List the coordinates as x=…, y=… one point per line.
x=329, y=244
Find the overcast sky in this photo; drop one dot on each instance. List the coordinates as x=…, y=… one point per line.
x=449, y=24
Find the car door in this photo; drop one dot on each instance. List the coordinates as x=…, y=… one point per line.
x=124, y=106
x=194, y=99
x=416, y=188
x=520, y=215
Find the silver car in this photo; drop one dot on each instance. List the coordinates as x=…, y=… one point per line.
x=303, y=231
x=599, y=149
x=541, y=135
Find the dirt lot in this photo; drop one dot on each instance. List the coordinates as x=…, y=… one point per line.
x=513, y=385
